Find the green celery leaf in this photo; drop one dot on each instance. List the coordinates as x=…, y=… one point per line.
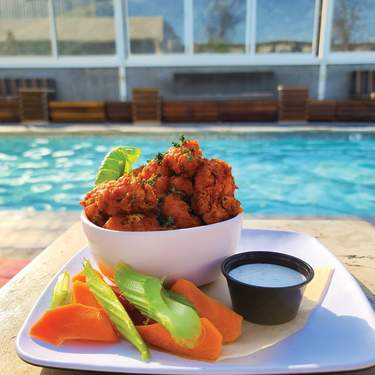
x=115, y=310
x=148, y=295
x=62, y=294
x=116, y=163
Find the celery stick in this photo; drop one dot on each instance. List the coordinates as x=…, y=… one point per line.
x=148, y=295
x=178, y=297
x=61, y=292
x=116, y=312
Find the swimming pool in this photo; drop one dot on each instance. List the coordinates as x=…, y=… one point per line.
x=296, y=174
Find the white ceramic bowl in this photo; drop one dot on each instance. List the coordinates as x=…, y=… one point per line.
x=193, y=253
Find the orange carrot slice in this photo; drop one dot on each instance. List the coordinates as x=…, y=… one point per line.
x=81, y=276
x=83, y=295
x=223, y=318
x=207, y=348
x=106, y=270
x=74, y=322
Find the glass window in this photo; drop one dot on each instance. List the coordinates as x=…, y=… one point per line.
x=285, y=26
x=353, y=25
x=219, y=26
x=85, y=27
x=24, y=27
x=156, y=27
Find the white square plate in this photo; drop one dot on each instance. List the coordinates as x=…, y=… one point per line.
x=339, y=335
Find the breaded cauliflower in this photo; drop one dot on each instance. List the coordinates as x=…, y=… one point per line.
x=183, y=158
x=214, y=187
x=180, y=184
x=127, y=195
x=174, y=209
x=137, y=223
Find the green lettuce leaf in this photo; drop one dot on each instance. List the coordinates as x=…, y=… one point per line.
x=62, y=294
x=116, y=163
x=115, y=310
x=148, y=295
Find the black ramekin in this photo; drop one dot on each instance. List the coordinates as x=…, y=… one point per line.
x=266, y=305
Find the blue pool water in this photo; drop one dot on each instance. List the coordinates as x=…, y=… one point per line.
x=277, y=174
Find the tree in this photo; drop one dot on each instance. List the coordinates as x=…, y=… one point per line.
x=224, y=16
x=347, y=15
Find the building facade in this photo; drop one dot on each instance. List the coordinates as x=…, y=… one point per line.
x=102, y=49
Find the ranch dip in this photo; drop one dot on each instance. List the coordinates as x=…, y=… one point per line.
x=267, y=275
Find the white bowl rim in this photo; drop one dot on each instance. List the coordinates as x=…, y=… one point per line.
x=86, y=221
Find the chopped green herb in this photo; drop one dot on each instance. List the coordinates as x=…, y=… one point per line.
x=159, y=157
x=169, y=222
x=190, y=156
x=151, y=181
x=181, y=141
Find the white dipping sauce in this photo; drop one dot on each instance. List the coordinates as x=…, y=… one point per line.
x=267, y=275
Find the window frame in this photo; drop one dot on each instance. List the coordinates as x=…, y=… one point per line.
x=55, y=35
x=248, y=58
x=122, y=58
x=315, y=34
x=54, y=60
x=41, y=57
x=344, y=57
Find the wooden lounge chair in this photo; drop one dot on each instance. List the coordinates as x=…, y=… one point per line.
x=293, y=103
x=363, y=84
x=119, y=111
x=62, y=111
x=321, y=110
x=29, y=95
x=146, y=105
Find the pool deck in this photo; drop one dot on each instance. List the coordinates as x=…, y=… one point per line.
x=165, y=128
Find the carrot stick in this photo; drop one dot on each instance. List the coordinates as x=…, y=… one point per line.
x=224, y=319
x=83, y=295
x=208, y=346
x=73, y=322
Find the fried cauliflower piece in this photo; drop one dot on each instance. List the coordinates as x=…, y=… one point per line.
x=214, y=187
x=154, y=168
x=156, y=175
x=216, y=210
x=91, y=208
x=127, y=195
x=179, y=212
x=135, y=223
x=181, y=184
x=215, y=175
x=183, y=158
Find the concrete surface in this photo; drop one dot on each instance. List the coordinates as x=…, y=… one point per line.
x=103, y=83
x=352, y=240
x=74, y=83
x=24, y=234
x=170, y=88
